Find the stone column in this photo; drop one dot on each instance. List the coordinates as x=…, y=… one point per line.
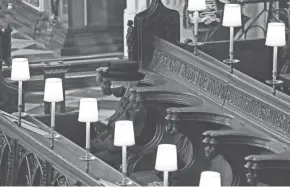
x=133, y=7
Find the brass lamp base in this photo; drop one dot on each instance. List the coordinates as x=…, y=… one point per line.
x=274, y=83
x=87, y=158
x=231, y=61
x=51, y=136
x=16, y=114
x=195, y=44
x=124, y=182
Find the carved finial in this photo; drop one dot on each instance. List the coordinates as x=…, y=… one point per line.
x=139, y=97
x=172, y=118
x=99, y=76
x=210, y=149
x=130, y=39
x=251, y=175
x=169, y=114
x=130, y=23
x=133, y=95
x=106, y=87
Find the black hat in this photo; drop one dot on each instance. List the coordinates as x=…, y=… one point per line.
x=123, y=70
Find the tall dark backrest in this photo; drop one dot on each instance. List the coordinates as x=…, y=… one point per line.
x=157, y=20
x=5, y=45
x=8, y=91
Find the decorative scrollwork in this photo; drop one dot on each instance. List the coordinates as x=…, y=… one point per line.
x=99, y=77
x=106, y=87
x=155, y=183
x=3, y=143
x=251, y=175
x=61, y=180
x=130, y=38
x=11, y=163
x=45, y=171
x=170, y=127
x=210, y=149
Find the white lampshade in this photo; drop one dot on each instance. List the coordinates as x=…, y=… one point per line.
x=276, y=35
x=10, y=6
x=210, y=178
x=88, y=111
x=196, y=5
x=232, y=15
x=53, y=91
x=20, y=69
x=166, y=158
x=124, y=133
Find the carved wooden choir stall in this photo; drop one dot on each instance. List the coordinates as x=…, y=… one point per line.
x=229, y=123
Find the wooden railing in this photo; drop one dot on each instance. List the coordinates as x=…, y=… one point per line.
x=26, y=159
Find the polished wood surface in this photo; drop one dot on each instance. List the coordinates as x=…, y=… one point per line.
x=64, y=158
x=226, y=117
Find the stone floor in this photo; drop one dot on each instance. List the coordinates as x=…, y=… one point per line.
x=107, y=104
x=23, y=45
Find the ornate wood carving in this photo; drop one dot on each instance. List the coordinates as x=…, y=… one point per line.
x=261, y=166
x=191, y=121
x=219, y=88
x=27, y=169
x=130, y=39
x=237, y=94
x=27, y=160
x=240, y=142
x=159, y=21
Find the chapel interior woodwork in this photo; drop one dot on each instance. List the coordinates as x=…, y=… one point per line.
x=221, y=122
x=245, y=137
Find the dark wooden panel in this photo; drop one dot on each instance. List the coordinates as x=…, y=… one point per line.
x=255, y=58
x=159, y=21
x=64, y=158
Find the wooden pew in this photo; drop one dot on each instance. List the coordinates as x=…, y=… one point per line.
x=238, y=115
x=26, y=158
x=234, y=146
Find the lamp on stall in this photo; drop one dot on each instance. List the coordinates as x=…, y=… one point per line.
x=20, y=72
x=123, y=137
x=88, y=112
x=10, y=4
x=210, y=179
x=232, y=18
x=166, y=160
x=195, y=6
x=53, y=93
x=276, y=37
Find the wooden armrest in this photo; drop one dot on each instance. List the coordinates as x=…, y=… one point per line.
x=199, y=113
x=161, y=93
x=275, y=166
x=271, y=158
x=242, y=137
